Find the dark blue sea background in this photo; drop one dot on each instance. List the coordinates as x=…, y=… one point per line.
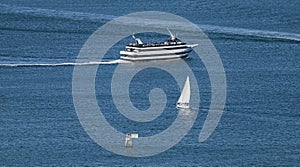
x=259, y=45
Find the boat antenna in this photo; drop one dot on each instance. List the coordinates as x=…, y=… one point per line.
x=172, y=37
x=137, y=40
x=133, y=36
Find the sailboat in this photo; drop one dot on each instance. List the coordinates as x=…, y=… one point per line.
x=184, y=99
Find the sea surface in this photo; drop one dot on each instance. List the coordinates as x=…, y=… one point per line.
x=258, y=43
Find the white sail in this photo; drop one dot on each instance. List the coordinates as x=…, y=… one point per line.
x=184, y=99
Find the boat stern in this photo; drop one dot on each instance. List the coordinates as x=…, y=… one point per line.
x=193, y=45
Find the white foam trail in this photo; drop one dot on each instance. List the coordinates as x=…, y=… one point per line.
x=118, y=61
x=7, y=9
x=251, y=32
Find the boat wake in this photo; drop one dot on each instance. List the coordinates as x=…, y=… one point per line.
x=50, y=13
x=81, y=16
x=118, y=61
x=251, y=32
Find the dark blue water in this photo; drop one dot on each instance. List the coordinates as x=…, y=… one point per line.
x=258, y=43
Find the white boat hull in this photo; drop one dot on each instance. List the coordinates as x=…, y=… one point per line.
x=158, y=53
x=154, y=57
x=182, y=106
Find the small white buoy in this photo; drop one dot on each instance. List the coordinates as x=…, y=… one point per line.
x=128, y=139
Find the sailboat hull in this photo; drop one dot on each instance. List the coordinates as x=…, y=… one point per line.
x=182, y=105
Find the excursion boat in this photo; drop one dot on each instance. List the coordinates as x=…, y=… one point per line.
x=171, y=49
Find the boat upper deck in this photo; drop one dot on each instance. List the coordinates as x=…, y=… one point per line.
x=166, y=43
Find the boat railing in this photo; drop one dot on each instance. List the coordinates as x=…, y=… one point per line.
x=167, y=43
